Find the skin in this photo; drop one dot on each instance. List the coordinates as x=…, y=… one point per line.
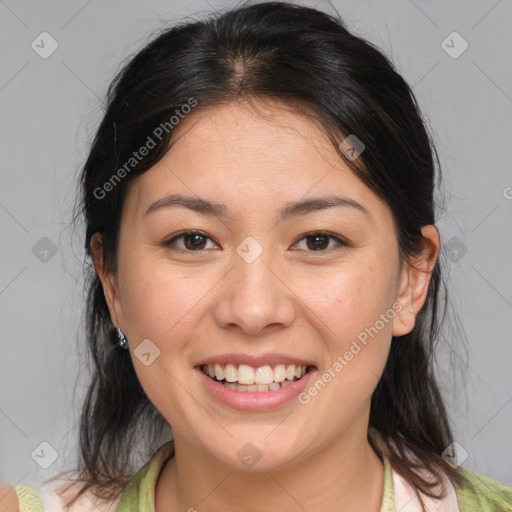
x=8, y=498
x=292, y=299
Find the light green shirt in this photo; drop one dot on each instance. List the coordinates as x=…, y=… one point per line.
x=28, y=499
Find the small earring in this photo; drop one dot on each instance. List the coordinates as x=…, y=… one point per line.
x=411, y=310
x=123, y=342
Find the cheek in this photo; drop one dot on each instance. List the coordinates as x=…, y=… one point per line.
x=349, y=301
x=161, y=302
x=346, y=313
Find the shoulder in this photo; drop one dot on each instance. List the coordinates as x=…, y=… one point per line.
x=8, y=499
x=480, y=492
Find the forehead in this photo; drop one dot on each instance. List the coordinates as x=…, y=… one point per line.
x=234, y=154
x=259, y=139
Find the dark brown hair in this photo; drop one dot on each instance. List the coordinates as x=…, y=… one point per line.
x=308, y=60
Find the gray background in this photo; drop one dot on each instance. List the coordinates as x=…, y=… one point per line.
x=51, y=107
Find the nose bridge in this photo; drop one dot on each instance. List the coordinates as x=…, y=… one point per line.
x=252, y=267
x=254, y=296
x=254, y=279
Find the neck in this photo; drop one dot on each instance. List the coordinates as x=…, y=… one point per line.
x=346, y=477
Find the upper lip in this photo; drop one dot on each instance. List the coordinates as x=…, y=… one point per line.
x=256, y=361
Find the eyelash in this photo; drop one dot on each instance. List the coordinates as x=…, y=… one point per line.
x=340, y=241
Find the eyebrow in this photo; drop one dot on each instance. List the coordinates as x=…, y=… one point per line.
x=290, y=210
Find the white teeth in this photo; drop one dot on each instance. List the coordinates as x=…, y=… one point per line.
x=245, y=374
x=230, y=373
x=219, y=372
x=264, y=375
x=280, y=373
x=263, y=378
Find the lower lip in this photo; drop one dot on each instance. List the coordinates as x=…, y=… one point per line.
x=254, y=400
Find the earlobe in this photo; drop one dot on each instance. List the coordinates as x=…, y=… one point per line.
x=415, y=280
x=108, y=280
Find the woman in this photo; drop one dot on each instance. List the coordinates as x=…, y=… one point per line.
x=259, y=209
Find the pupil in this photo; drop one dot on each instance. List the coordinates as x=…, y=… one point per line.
x=194, y=237
x=316, y=238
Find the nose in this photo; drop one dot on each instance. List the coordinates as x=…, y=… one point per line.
x=255, y=296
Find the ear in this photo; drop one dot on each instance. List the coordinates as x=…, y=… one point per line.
x=415, y=280
x=108, y=281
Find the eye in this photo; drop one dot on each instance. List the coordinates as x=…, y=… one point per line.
x=194, y=241
x=319, y=241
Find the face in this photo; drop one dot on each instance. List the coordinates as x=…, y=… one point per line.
x=323, y=287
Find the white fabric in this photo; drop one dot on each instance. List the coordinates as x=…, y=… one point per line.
x=407, y=501
x=52, y=502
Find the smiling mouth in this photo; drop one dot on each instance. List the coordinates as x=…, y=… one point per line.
x=251, y=379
